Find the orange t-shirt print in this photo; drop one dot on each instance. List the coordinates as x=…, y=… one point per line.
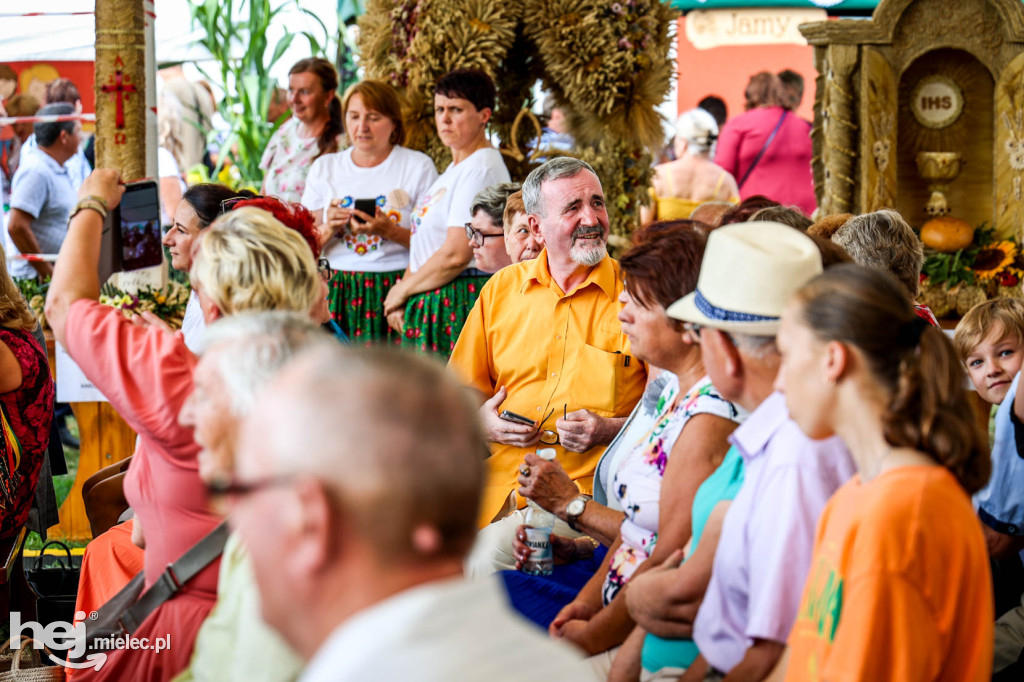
x=899, y=587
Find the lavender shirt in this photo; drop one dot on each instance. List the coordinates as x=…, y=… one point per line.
x=767, y=538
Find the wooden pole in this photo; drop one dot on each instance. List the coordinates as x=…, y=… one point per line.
x=155, y=276
x=120, y=87
x=120, y=143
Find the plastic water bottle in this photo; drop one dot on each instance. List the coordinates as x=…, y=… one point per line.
x=538, y=538
x=546, y=453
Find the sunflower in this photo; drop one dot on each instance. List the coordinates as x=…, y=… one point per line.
x=993, y=258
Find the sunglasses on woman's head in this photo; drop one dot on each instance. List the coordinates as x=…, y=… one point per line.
x=229, y=204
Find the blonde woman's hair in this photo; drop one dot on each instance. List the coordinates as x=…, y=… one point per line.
x=1005, y=313
x=14, y=312
x=248, y=260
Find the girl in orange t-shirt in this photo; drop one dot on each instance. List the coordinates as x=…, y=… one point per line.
x=899, y=586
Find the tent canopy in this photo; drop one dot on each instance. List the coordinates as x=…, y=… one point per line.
x=54, y=35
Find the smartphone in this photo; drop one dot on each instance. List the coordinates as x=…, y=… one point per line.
x=367, y=206
x=516, y=418
x=131, y=232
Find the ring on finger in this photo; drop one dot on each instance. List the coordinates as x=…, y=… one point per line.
x=524, y=469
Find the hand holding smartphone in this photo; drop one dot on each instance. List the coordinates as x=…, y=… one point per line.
x=131, y=232
x=516, y=418
x=367, y=206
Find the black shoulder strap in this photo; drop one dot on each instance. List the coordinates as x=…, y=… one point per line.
x=767, y=143
x=198, y=557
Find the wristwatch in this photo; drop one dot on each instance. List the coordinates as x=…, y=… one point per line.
x=574, y=510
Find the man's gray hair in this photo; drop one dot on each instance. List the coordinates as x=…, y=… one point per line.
x=555, y=169
x=883, y=239
x=491, y=200
x=757, y=346
x=260, y=344
x=47, y=133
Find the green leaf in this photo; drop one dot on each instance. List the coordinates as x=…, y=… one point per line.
x=282, y=45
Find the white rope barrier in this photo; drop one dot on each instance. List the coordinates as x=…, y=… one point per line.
x=11, y=15
x=33, y=257
x=53, y=118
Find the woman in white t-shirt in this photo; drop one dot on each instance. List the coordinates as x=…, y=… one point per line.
x=367, y=252
x=430, y=304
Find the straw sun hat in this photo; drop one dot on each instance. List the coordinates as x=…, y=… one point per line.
x=748, y=274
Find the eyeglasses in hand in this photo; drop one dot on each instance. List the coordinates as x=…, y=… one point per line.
x=547, y=436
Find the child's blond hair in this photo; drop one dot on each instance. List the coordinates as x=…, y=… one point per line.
x=983, y=318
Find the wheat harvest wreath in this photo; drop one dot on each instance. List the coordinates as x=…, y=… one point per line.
x=606, y=63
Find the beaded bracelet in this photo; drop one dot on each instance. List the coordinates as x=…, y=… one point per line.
x=93, y=197
x=92, y=203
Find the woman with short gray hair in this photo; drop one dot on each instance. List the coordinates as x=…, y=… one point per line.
x=485, y=231
x=883, y=239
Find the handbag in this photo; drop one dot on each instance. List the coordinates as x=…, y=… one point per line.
x=55, y=587
x=127, y=609
x=36, y=671
x=764, y=148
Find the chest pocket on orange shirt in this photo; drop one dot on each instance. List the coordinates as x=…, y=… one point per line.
x=600, y=376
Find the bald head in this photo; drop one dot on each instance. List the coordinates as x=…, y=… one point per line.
x=389, y=434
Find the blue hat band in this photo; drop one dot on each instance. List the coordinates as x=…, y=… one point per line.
x=711, y=311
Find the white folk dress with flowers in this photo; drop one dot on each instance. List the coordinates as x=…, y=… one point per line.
x=396, y=184
x=637, y=484
x=286, y=162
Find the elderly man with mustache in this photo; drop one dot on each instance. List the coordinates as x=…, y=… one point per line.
x=543, y=342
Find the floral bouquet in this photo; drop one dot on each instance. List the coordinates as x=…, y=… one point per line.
x=168, y=303
x=953, y=283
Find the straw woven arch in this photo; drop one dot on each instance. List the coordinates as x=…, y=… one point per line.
x=605, y=62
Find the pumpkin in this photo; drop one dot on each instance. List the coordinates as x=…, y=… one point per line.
x=947, y=234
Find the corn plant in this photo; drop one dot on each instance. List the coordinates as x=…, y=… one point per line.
x=235, y=33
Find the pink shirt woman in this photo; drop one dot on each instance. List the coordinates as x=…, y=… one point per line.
x=783, y=172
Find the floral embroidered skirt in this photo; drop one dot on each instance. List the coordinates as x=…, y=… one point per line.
x=434, y=319
x=356, y=300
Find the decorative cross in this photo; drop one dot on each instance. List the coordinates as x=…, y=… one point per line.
x=119, y=88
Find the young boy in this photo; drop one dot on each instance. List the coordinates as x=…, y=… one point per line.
x=990, y=341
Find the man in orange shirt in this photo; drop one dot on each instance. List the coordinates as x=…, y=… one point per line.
x=544, y=341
